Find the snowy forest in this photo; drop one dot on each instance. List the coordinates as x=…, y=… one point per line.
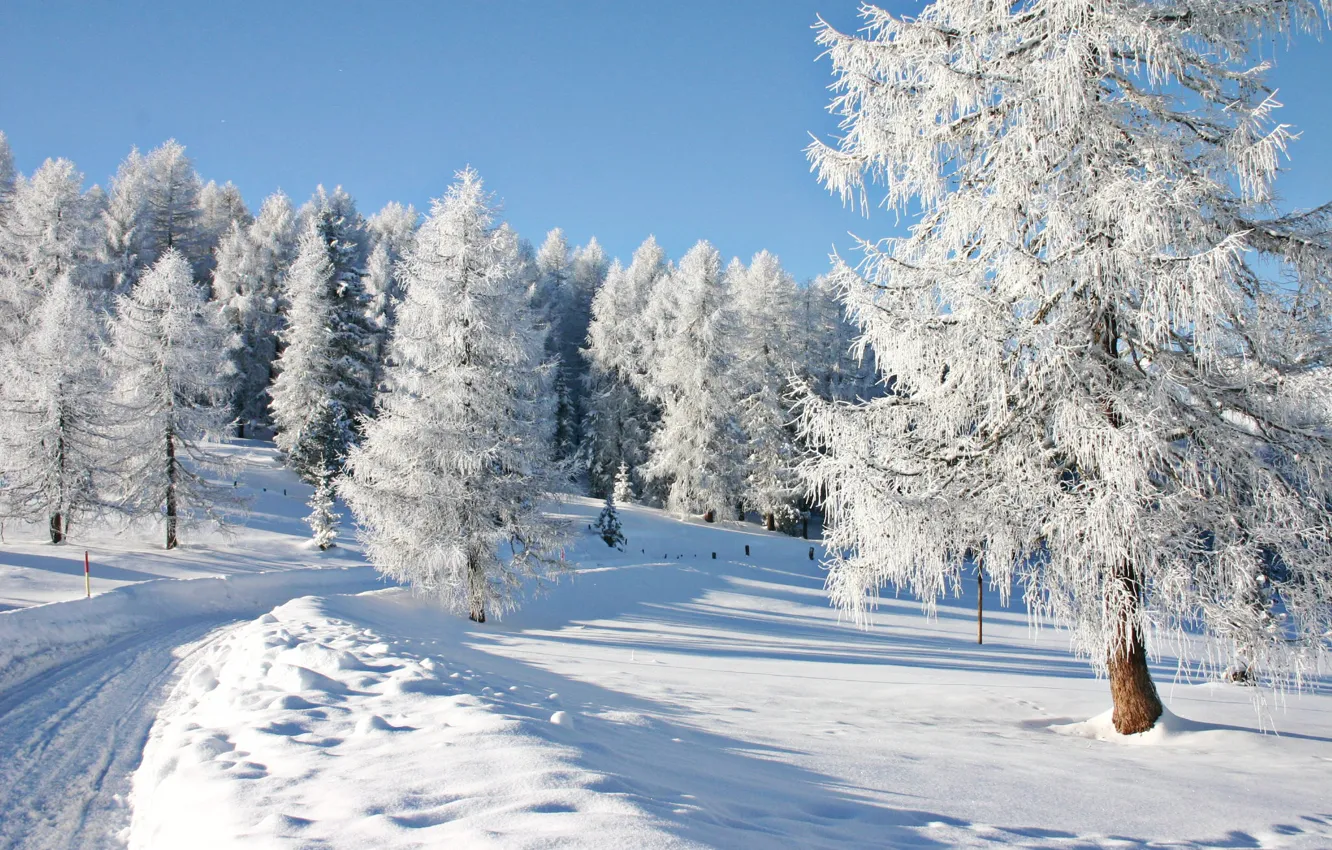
x=146, y=321
x=1093, y=372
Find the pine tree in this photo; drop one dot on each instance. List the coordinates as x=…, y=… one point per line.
x=48, y=234
x=52, y=448
x=696, y=448
x=446, y=485
x=323, y=455
x=220, y=207
x=169, y=357
x=251, y=263
x=8, y=176
x=620, y=419
x=154, y=206
x=608, y=525
x=624, y=486
x=1095, y=392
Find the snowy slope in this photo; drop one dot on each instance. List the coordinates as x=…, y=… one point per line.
x=662, y=698
x=270, y=536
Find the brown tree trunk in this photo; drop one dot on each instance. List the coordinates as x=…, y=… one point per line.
x=56, y=534
x=770, y=521
x=171, y=492
x=240, y=429
x=1137, y=705
x=709, y=516
x=477, y=614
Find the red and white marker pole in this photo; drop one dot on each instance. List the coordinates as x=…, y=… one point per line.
x=87, y=577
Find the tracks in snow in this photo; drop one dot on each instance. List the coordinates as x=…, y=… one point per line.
x=71, y=737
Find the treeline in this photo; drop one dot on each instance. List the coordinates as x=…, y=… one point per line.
x=142, y=323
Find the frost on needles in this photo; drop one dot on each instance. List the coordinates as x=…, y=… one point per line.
x=1096, y=392
x=448, y=481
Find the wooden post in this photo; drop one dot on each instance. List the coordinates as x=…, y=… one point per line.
x=87, y=577
x=980, y=605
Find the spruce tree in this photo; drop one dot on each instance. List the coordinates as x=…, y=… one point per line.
x=169, y=358
x=448, y=482
x=697, y=447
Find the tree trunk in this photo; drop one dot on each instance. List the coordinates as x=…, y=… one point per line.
x=477, y=614
x=740, y=511
x=240, y=429
x=1137, y=705
x=709, y=516
x=770, y=521
x=171, y=492
x=56, y=534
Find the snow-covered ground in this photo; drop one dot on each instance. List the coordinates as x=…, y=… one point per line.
x=273, y=537
x=655, y=698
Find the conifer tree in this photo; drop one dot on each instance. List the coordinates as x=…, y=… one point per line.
x=47, y=234
x=1096, y=391
x=52, y=446
x=169, y=358
x=623, y=493
x=8, y=176
x=697, y=447
x=608, y=525
x=765, y=298
x=446, y=486
x=247, y=286
x=620, y=418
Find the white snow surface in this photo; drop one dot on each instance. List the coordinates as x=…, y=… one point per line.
x=655, y=698
x=660, y=698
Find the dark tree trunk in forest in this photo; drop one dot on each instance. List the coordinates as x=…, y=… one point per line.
x=709, y=516
x=770, y=521
x=740, y=511
x=171, y=491
x=57, y=535
x=477, y=612
x=240, y=429
x=1137, y=705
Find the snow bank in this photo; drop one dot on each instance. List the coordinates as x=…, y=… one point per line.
x=36, y=639
x=304, y=729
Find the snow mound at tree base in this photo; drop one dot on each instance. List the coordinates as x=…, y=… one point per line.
x=313, y=726
x=1170, y=730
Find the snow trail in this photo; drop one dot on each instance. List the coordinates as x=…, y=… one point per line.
x=71, y=737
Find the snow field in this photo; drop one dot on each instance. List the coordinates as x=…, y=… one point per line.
x=659, y=697
x=303, y=729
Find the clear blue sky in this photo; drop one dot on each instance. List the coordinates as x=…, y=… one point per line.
x=684, y=119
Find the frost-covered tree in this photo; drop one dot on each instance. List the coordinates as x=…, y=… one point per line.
x=618, y=419
x=247, y=287
x=697, y=448
x=322, y=455
x=8, y=176
x=169, y=358
x=392, y=231
x=608, y=525
x=623, y=491
x=52, y=446
x=447, y=484
x=220, y=207
x=1096, y=393
x=765, y=299
x=48, y=234
x=829, y=362
x=154, y=205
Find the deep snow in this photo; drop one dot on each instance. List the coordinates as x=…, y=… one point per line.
x=656, y=698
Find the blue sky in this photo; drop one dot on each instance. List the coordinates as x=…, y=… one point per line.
x=619, y=119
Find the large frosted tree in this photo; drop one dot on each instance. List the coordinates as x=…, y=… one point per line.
x=1096, y=392
x=169, y=358
x=698, y=449
x=448, y=481
x=53, y=459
